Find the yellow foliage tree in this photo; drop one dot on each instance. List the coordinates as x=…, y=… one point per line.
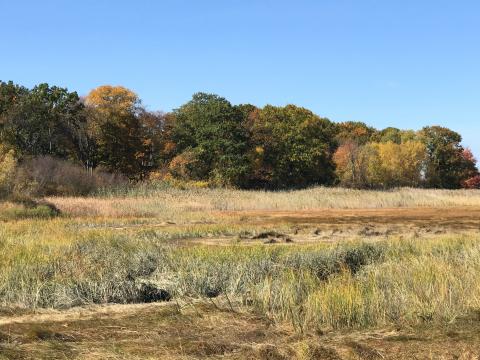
x=380, y=165
x=115, y=124
x=394, y=165
x=7, y=170
x=109, y=100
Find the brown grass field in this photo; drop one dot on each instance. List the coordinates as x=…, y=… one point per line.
x=429, y=274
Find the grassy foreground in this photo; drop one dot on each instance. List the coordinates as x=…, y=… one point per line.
x=356, y=284
x=101, y=251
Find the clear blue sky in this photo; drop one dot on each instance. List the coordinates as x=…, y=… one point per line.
x=400, y=63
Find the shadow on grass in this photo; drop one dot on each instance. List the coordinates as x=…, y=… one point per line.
x=17, y=208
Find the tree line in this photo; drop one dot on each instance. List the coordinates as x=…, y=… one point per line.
x=210, y=140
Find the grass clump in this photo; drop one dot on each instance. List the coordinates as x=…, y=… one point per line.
x=18, y=209
x=96, y=269
x=437, y=282
x=20, y=212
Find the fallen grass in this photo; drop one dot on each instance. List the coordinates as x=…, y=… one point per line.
x=204, y=331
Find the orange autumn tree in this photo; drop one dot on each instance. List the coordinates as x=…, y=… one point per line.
x=349, y=167
x=110, y=100
x=354, y=131
x=126, y=136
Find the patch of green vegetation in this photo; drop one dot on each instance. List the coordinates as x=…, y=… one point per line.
x=21, y=212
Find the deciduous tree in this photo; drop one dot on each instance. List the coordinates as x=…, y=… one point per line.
x=8, y=164
x=354, y=131
x=44, y=121
x=209, y=127
x=292, y=147
x=122, y=136
x=446, y=167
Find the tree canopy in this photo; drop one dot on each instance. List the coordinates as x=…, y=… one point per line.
x=210, y=140
x=447, y=166
x=291, y=147
x=42, y=121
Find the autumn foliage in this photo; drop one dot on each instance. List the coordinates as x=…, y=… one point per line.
x=211, y=141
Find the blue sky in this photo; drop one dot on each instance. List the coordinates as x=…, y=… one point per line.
x=396, y=63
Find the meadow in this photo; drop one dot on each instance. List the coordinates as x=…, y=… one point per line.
x=314, y=272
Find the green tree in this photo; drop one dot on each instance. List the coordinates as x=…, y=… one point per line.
x=208, y=131
x=292, y=147
x=408, y=135
x=391, y=134
x=44, y=121
x=446, y=166
x=10, y=95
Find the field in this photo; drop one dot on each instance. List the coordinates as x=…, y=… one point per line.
x=213, y=273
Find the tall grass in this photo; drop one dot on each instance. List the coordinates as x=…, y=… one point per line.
x=54, y=267
x=351, y=285
x=168, y=202
x=417, y=282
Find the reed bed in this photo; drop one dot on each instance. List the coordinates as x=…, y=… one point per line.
x=197, y=203
x=357, y=284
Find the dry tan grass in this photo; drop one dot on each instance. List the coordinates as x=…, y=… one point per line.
x=430, y=281
x=201, y=331
x=172, y=203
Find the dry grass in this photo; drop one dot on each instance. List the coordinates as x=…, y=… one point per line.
x=49, y=263
x=201, y=331
x=360, y=261
x=196, y=204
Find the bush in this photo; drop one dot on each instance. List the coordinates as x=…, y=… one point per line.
x=46, y=176
x=7, y=171
x=41, y=211
x=472, y=183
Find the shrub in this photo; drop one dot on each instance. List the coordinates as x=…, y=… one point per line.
x=41, y=211
x=45, y=176
x=472, y=183
x=187, y=166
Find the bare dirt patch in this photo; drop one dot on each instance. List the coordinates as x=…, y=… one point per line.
x=332, y=225
x=464, y=218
